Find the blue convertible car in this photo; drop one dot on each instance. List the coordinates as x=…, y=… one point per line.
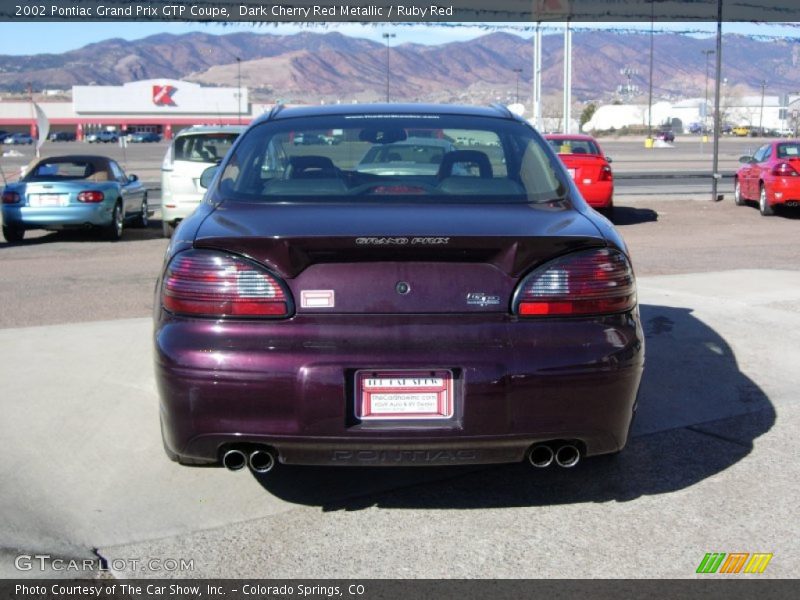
x=69, y=192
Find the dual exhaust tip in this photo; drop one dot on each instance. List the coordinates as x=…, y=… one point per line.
x=566, y=456
x=259, y=461
x=540, y=456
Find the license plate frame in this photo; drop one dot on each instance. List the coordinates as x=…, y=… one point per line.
x=392, y=394
x=48, y=200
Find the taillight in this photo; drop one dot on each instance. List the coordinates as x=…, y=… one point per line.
x=93, y=196
x=589, y=282
x=784, y=170
x=209, y=283
x=605, y=174
x=166, y=164
x=10, y=197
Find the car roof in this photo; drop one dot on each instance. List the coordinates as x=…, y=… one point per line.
x=280, y=112
x=89, y=158
x=569, y=136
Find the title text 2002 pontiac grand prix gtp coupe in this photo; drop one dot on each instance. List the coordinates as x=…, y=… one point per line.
x=310, y=312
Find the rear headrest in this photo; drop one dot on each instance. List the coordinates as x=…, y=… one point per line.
x=475, y=157
x=472, y=186
x=98, y=176
x=303, y=167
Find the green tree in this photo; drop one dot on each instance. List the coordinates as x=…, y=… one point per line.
x=587, y=113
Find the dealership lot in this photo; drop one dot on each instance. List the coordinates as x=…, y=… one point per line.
x=709, y=468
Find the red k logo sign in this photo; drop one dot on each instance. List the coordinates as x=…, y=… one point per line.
x=162, y=95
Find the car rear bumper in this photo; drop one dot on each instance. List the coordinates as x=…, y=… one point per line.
x=180, y=190
x=290, y=385
x=177, y=205
x=28, y=217
x=599, y=194
x=784, y=190
x=173, y=210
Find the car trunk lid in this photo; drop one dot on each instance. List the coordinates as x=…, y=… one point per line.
x=412, y=258
x=584, y=169
x=53, y=194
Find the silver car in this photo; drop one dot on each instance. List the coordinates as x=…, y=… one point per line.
x=191, y=152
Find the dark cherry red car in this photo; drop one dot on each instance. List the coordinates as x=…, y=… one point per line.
x=588, y=166
x=770, y=177
x=315, y=311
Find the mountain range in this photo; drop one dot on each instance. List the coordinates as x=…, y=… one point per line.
x=313, y=66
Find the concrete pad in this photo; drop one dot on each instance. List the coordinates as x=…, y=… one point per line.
x=81, y=456
x=83, y=462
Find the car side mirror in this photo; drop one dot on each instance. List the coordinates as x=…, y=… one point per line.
x=208, y=176
x=132, y=178
x=745, y=160
x=609, y=160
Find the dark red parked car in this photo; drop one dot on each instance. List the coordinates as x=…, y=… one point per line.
x=770, y=177
x=313, y=313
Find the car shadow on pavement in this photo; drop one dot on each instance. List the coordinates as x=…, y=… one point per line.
x=785, y=212
x=698, y=415
x=628, y=215
x=788, y=213
x=72, y=236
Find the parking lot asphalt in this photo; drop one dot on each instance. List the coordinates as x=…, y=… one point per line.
x=710, y=466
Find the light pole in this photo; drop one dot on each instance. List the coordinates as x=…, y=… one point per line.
x=516, y=97
x=567, y=78
x=708, y=53
x=537, y=77
x=388, y=37
x=761, y=116
x=715, y=175
x=649, y=142
x=239, y=94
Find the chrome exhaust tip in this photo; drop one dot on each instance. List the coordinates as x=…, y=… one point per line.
x=262, y=461
x=234, y=460
x=568, y=456
x=541, y=456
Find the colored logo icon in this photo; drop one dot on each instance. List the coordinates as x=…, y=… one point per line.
x=162, y=95
x=733, y=563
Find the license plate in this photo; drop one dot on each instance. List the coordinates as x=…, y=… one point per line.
x=404, y=394
x=572, y=173
x=48, y=200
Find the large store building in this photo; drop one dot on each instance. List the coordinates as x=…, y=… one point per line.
x=163, y=106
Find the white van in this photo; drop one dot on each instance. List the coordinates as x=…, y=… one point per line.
x=191, y=152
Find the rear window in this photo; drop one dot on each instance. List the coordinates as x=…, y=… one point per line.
x=430, y=158
x=63, y=170
x=203, y=147
x=789, y=150
x=574, y=146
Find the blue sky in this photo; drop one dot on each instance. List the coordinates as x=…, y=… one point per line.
x=33, y=38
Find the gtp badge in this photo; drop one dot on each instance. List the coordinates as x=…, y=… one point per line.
x=481, y=299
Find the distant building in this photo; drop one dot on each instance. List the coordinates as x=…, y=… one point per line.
x=744, y=111
x=617, y=116
x=163, y=106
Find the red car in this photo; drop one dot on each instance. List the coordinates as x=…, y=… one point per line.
x=771, y=176
x=589, y=167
